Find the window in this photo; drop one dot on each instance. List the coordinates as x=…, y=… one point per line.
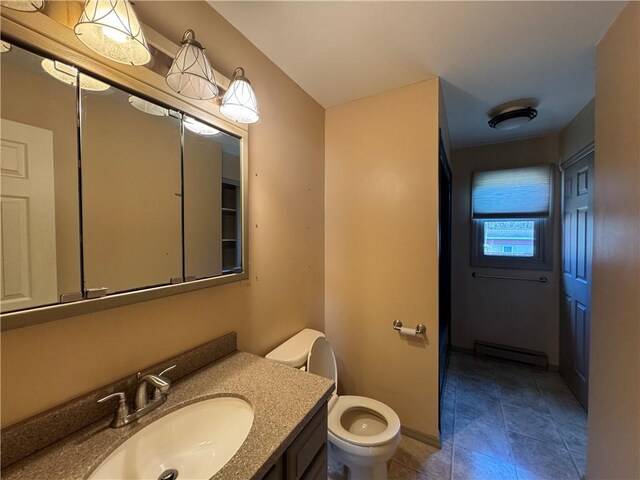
x=511, y=215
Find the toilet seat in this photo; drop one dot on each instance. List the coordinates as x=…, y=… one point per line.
x=322, y=361
x=349, y=402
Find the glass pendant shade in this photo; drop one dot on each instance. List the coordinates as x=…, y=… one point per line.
x=69, y=75
x=24, y=5
x=200, y=128
x=239, y=102
x=5, y=47
x=111, y=28
x=148, y=107
x=191, y=74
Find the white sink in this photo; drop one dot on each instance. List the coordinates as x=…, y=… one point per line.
x=197, y=441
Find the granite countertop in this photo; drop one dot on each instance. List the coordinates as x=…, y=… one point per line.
x=283, y=400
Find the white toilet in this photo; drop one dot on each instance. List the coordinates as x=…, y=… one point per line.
x=363, y=433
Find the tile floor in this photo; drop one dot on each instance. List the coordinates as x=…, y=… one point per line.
x=501, y=421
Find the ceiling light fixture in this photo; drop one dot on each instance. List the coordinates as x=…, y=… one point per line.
x=512, y=117
x=30, y=6
x=111, y=28
x=239, y=102
x=68, y=74
x=198, y=127
x=148, y=107
x=191, y=74
x=5, y=47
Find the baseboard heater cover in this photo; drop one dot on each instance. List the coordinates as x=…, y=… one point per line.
x=514, y=354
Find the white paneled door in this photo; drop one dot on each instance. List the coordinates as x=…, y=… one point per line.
x=28, y=237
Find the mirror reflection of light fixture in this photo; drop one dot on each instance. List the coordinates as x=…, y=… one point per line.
x=239, y=102
x=24, y=5
x=5, y=47
x=111, y=28
x=148, y=107
x=198, y=127
x=68, y=74
x=191, y=74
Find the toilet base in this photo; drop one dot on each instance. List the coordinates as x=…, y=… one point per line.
x=362, y=463
x=377, y=471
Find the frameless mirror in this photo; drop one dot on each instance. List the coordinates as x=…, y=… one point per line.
x=212, y=231
x=39, y=181
x=131, y=192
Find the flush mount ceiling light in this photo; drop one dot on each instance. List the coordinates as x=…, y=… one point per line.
x=111, y=28
x=198, y=127
x=24, y=5
x=191, y=74
x=239, y=102
x=148, y=107
x=5, y=47
x=512, y=117
x=68, y=74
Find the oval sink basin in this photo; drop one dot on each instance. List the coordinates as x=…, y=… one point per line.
x=193, y=442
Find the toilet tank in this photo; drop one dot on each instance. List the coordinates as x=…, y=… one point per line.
x=294, y=351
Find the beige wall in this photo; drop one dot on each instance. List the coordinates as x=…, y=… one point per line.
x=381, y=263
x=47, y=364
x=579, y=133
x=614, y=377
x=520, y=314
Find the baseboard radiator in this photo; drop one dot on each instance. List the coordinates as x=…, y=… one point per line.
x=513, y=354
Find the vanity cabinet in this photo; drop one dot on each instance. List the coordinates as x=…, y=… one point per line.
x=306, y=457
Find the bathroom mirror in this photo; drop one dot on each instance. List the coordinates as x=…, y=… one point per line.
x=212, y=213
x=109, y=195
x=131, y=191
x=39, y=215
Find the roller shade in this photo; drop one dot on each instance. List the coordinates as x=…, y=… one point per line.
x=513, y=193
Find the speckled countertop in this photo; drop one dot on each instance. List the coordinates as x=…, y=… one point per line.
x=283, y=400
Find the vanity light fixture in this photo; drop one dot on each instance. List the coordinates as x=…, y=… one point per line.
x=30, y=6
x=191, y=74
x=68, y=74
x=148, y=107
x=111, y=28
x=512, y=117
x=5, y=47
x=239, y=102
x=198, y=127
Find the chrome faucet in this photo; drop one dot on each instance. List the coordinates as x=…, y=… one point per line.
x=143, y=404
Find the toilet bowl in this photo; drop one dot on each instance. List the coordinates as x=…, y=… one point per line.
x=363, y=433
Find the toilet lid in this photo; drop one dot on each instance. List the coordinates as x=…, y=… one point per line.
x=322, y=361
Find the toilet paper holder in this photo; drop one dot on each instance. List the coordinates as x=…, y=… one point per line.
x=421, y=330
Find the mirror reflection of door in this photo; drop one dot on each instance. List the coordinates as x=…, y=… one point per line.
x=28, y=217
x=40, y=226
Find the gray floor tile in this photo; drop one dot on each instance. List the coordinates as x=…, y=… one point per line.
x=566, y=410
x=431, y=461
x=544, y=458
x=472, y=386
x=446, y=427
x=511, y=376
x=469, y=465
x=471, y=366
x=400, y=472
x=523, y=397
x=482, y=438
x=479, y=407
x=530, y=423
x=580, y=459
x=574, y=435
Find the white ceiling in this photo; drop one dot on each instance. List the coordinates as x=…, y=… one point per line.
x=487, y=53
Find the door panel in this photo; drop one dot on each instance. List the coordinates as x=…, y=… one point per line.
x=577, y=244
x=27, y=214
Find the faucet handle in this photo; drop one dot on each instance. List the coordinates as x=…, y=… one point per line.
x=123, y=409
x=121, y=395
x=167, y=370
